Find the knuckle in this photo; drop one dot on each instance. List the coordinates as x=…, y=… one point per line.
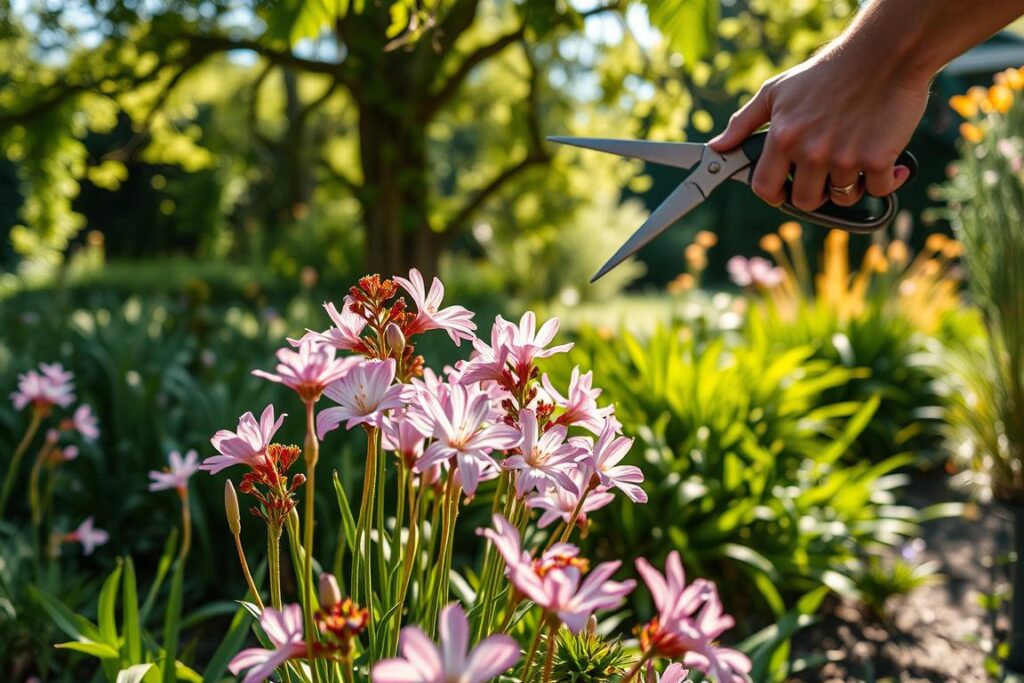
x=845, y=162
x=815, y=153
x=786, y=136
x=763, y=189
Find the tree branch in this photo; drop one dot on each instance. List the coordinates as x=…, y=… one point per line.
x=443, y=94
x=211, y=44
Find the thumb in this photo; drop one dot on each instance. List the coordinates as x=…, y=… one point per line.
x=743, y=123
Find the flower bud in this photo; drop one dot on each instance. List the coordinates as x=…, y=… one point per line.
x=592, y=625
x=394, y=338
x=330, y=594
x=231, y=508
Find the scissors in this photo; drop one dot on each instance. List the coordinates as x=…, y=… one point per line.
x=711, y=170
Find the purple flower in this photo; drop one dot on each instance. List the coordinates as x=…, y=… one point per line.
x=453, y=662
x=310, y=369
x=458, y=425
x=602, y=459
x=51, y=387
x=85, y=422
x=544, y=460
x=284, y=629
x=755, y=271
x=455, y=320
x=88, y=535
x=176, y=476
x=246, y=446
x=363, y=395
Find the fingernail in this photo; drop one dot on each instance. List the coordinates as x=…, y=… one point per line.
x=901, y=174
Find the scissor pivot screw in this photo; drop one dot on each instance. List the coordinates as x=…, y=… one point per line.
x=714, y=167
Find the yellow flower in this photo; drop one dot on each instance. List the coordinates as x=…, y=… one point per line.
x=1001, y=98
x=1014, y=79
x=964, y=105
x=971, y=133
x=771, y=243
x=706, y=239
x=790, y=231
x=696, y=257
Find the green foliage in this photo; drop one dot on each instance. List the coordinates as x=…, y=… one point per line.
x=743, y=458
x=588, y=658
x=883, y=578
x=986, y=202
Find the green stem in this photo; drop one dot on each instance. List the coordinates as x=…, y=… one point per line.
x=186, y=526
x=571, y=524
x=382, y=462
x=248, y=575
x=635, y=669
x=549, y=660
x=532, y=653
x=19, y=453
x=274, y=564
x=312, y=453
x=367, y=563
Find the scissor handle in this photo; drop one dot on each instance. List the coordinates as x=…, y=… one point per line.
x=857, y=218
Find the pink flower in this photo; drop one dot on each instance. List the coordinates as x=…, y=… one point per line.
x=459, y=426
x=403, y=435
x=284, y=629
x=603, y=460
x=675, y=673
x=544, y=460
x=756, y=271
x=51, y=388
x=424, y=662
x=247, y=446
x=178, y=474
x=581, y=405
x=309, y=370
x=689, y=623
x=559, y=503
x=85, y=423
x=526, y=343
x=487, y=362
x=347, y=329
x=555, y=580
x=88, y=536
x=363, y=395
x=455, y=320
x=69, y=453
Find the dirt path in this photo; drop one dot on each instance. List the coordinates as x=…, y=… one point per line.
x=939, y=632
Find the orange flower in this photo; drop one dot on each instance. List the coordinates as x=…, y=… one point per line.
x=706, y=239
x=1013, y=78
x=971, y=133
x=1001, y=98
x=790, y=231
x=964, y=105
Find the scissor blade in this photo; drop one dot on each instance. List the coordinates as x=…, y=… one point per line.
x=682, y=200
x=676, y=154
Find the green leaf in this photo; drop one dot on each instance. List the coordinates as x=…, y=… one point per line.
x=348, y=523
x=228, y=647
x=161, y=573
x=107, y=605
x=134, y=674
x=73, y=625
x=131, y=649
x=89, y=647
x=172, y=620
x=690, y=26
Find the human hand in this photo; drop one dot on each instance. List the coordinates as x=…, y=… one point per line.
x=831, y=121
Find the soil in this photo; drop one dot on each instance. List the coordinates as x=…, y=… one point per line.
x=940, y=632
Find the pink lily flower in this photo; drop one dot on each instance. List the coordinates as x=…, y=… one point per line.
x=487, y=362
x=246, y=446
x=755, y=271
x=88, y=535
x=178, y=474
x=462, y=434
x=689, y=622
x=309, y=370
x=675, y=673
x=363, y=395
x=346, y=333
x=404, y=435
x=580, y=407
x=526, y=343
x=424, y=662
x=85, y=422
x=602, y=459
x=284, y=629
x=558, y=503
x=544, y=460
x=68, y=453
x=455, y=320
x=555, y=580
x=51, y=388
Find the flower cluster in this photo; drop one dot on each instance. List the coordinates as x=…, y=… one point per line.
x=492, y=425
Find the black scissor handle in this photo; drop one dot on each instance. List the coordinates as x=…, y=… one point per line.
x=866, y=216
